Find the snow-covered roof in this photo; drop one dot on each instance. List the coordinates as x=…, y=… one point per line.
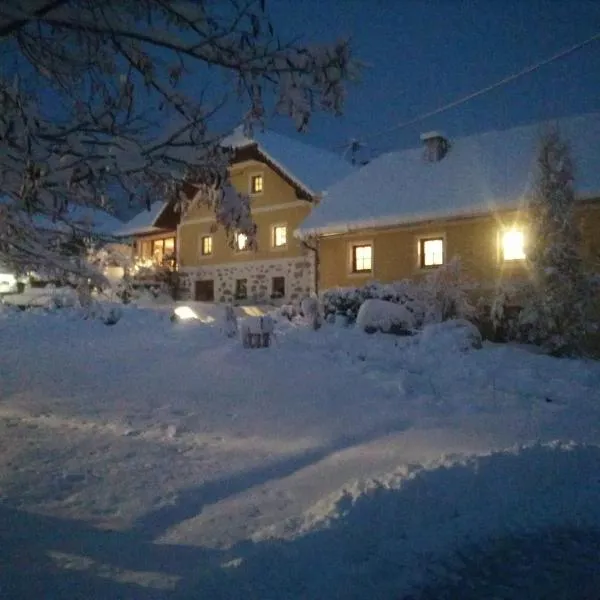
x=480, y=173
x=143, y=222
x=312, y=168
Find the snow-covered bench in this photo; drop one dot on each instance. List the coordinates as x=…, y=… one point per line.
x=257, y=331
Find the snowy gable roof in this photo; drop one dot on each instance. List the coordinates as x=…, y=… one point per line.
x=312, y=168
x=479, y=174
x=143, y=222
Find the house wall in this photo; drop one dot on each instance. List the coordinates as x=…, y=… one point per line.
x=476, y=241
x=278, y=204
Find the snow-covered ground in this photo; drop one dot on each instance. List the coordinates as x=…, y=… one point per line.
x=153, y=459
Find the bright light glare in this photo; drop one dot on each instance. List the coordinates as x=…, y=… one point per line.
x=513, y=245
x=252, y=311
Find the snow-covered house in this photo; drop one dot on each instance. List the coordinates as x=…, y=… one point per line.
x=284, y=179
x=410, y=211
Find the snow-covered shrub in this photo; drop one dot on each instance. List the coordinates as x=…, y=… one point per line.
x=454, y=335
x=387, y=317
x=312, y=311
x=112, y=315
x=444, y=294
x=230, y=325
x=288, y=311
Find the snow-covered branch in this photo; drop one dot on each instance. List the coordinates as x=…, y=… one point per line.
x=102, y=103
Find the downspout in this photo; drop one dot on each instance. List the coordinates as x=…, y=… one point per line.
x=314, y=248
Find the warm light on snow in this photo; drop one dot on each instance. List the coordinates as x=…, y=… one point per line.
x=252, y=311
x=513, y=244
x=185, y=313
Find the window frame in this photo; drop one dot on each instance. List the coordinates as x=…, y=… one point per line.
x=274, y=229
x=251, y=179
x=202, y=240
x=422, y=254
x=352, y=260
x=242, y=281
x=273, y=292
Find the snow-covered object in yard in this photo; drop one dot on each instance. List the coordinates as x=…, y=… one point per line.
x=380, y=315
x=311, y=168
x=311, y=309
x=230, y=324
x=480, y=173
x=455, y=335
x=256, y=332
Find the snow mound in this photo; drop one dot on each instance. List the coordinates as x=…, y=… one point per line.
x=388, y=317
x=414, y=528
x=456, y=335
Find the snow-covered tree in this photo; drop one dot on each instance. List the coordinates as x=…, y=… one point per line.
x=96, y=98
x=556, y=310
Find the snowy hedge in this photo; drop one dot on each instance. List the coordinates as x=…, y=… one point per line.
x=439, y=296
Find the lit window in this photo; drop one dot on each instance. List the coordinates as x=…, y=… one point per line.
x=279, y=236
x=241, y=241
x=206, y=245
x=256, y=184
x=513, y=245
x=362, y=258
x=432, y=252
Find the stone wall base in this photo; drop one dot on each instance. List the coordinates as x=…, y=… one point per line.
x=298, y=274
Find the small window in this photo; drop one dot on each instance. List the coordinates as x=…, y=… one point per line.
x=278, y=286
x=432, y=252
x=256, y=184
x=279, y=236
x=362, y=259
x=513, y=245
x=241, y=241
x=206, y=245
x=241, y=289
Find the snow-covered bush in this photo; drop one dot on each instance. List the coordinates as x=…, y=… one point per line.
x=454, y=335
x=312, y=311
x=387, y=317
x=288, y=311
x=444, y=294
x=441, y=295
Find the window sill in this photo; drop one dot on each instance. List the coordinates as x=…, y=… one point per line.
x=360, y=273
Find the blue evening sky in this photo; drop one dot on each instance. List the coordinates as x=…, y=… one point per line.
x=422, y=54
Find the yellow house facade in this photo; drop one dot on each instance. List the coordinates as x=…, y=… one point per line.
x=284, y=179
x=407, y=213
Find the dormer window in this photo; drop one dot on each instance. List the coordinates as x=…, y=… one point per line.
x=256, y=184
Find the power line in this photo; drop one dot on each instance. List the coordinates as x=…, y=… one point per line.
x=480, y=92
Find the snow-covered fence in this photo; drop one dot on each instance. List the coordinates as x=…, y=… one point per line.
x=257, y=332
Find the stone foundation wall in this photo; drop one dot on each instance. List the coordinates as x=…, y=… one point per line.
x=299, y=274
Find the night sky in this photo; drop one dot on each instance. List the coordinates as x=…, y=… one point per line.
x=422, y=54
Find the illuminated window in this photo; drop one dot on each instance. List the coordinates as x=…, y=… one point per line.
x=256, y=184
x=207, y=244
x=241, y=241
x=241, y=289
x=362, y=258
x=279, y=236
x=513, y=245
x=163, y=249
x=432, y=252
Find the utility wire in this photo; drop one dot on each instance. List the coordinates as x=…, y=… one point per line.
x=480, y=92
